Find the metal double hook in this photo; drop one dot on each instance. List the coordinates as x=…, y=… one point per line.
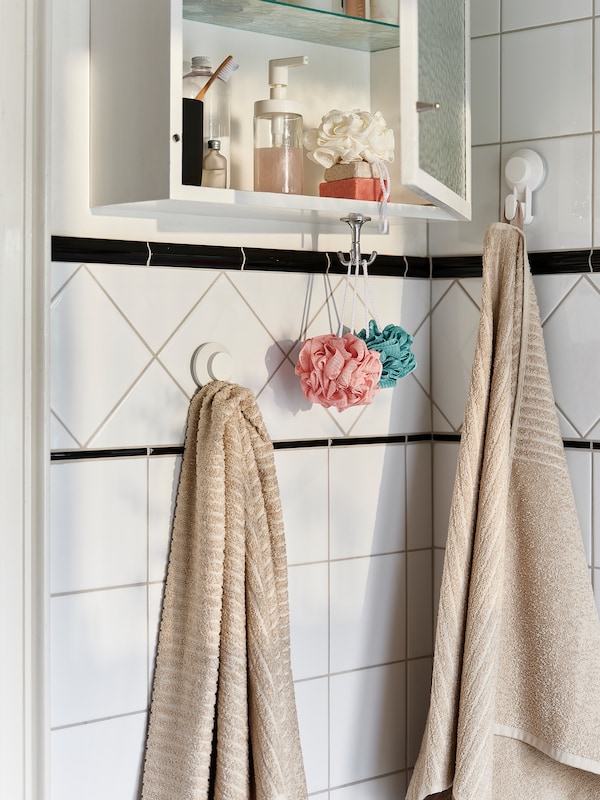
x=356, y=221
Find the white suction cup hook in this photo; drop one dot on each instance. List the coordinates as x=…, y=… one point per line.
x=524, y=173
x=211, y=362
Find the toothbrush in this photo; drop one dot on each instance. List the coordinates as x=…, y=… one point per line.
x=224, y=71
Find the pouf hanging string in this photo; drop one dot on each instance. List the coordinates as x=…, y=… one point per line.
x=369, y=301
x=355, y=260
x=384, y=181
x=341, y=371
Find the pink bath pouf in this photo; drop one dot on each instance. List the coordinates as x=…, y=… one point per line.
x=338, y=371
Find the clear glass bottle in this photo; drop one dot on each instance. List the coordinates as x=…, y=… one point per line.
x=216, y=105
x=214, y=166
x=278, y=150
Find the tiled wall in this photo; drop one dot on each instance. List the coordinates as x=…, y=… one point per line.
x=358, y=517
x=359, y=548
x=534, y=85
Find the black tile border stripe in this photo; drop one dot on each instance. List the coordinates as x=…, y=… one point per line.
x=159, y=254
x=292, y=444
x=560, y=262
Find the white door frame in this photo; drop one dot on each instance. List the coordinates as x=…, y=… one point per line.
x=24, y=261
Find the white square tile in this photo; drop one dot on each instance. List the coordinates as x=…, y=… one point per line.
x=263, y=291
x=98, y=760
x=421, y=349
x=415, y=303
x=562, y=205
x=516, y=14
x=485, y=90
x=568, y=431
x=95, y=356
x=596, y=515
x=390, y=787
x=551, y=290
x=466, y=238
x=60, y=438
x=155, y=300
x=223, y=316
x=439, y=422
x=579, y=463
x=419, y=603
x=303, y=477
x=405, y=408
x=308, y=587
x=445, y=457
x=485, y=17
x=155, y=600
x=401, y=301
x=163, y=481
x=99, y=655
x=362, y=590
x=154, y=411
x=312, y=703
x=419, y=692
x=472, y=287
x=562, y=101
x=98, y=523
x=289, y=415
x=60, y=273
x=575, y=371
x=419, y=498
x=439, y=287
x=454, y=324
x=368, y=723
x=596, y=189
x=368, y=512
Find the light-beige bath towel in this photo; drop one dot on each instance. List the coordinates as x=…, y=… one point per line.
x=515, y=699
x=223, y=722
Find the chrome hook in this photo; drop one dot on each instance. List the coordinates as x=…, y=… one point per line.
x=356, y=221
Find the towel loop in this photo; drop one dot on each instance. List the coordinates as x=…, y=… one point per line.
x=524, y=173
x=211, y=362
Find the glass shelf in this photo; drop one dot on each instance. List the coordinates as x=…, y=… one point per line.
x=294, y=22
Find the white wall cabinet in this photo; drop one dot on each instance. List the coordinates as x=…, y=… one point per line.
x=140, y=49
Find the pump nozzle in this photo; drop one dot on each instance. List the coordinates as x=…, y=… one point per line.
x=278, y=74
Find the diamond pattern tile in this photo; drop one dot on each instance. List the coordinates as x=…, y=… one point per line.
x=454, y=324
x=154, y=299
x=572, y=337
x=264, y=293
x=96, y=355
x=153, y=412
x=60, y=274
x=551, y=290
x=223, y=316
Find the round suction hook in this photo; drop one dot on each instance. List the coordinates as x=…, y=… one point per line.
x=524, y=168
x=524, y=173
x=211, y=362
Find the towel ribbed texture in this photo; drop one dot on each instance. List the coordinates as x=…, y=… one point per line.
x=515, y=698
x=223, y=722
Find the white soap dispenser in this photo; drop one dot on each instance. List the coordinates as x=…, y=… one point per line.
x=278, y=153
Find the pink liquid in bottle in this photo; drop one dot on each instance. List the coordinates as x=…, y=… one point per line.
x=278, y=169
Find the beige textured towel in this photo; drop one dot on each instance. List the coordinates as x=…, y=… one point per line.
x=223, y=720
x=515, y=699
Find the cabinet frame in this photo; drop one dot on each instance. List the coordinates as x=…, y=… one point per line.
x=135, y=129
